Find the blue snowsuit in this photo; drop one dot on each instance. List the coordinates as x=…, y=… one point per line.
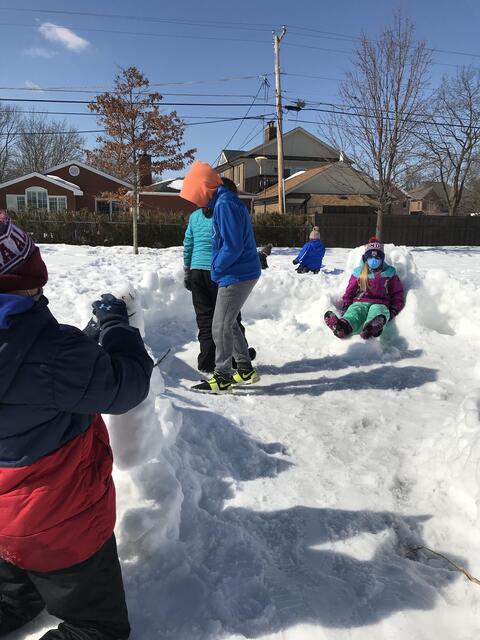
x=310, y=256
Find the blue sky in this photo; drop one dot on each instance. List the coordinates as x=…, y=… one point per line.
x=200, y=43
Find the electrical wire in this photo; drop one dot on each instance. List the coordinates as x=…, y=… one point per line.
x=242, y=121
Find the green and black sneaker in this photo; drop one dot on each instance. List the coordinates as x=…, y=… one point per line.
x=218, y=383
x=245, y=376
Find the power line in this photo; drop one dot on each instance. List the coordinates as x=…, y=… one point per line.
x=243, y=119
x=221, y=24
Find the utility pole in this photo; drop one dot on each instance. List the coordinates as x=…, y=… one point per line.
x=281, y=185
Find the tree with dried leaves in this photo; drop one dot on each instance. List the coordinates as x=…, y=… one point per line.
x=449, y=135
x=382, y=96
x=135, y=128
x=9, y=125
x=42, y=143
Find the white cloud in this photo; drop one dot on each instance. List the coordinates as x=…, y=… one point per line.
x=39, y=52
x=63, y=35
x=33, y=86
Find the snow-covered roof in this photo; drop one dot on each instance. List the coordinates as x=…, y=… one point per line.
x=47, y=178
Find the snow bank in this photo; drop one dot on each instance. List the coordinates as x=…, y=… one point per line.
x=290, y=509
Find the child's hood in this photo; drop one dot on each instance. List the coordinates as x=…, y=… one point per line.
x=10, y=305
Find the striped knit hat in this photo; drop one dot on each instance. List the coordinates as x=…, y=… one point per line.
x=21, y=265
x=374, y=249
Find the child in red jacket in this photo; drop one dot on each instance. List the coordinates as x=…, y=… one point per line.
x=57, y=498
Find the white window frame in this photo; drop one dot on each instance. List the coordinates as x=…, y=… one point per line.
x=12, y=202
x=57, y=208
x=36, y=191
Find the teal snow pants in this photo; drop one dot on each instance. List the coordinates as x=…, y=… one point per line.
x=360, y=313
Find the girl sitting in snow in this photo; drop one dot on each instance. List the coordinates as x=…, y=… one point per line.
x=374, y=296
x=311, y=254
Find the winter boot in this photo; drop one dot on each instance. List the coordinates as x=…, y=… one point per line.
x=245, y=376
x=373, y=328
x=218, y=383
x=252, y=354
x=340, y=327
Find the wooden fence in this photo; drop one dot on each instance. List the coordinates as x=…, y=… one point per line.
x=336, y=230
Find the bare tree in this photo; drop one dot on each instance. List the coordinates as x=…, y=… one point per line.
x=42, y=143
x=134, y=129
x=382, y=95
x=450, y=135
x=9, y=124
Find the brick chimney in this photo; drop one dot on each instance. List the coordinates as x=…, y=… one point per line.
x=270, y=131
x=145, y=166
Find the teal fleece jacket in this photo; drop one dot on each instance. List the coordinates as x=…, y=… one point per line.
x=197, y=244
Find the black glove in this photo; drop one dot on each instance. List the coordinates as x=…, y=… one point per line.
x=92, y=330
x=295, y=261
x=187, y=278
x=393, y=313
x=110, y=308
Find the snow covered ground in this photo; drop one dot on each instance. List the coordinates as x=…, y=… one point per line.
x=290, y=509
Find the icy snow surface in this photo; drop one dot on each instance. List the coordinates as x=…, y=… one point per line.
x=288, y=510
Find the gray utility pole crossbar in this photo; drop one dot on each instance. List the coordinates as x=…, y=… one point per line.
x=278, y=92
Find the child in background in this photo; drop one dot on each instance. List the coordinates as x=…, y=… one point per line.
x=263, y=255
x=374, y=296
x=311, y=254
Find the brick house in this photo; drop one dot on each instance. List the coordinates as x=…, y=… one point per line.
x=71, y=186
x=428, y=199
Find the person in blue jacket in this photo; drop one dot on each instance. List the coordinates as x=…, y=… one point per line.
x=311, y=254
x=197, y=259
x=235, y=269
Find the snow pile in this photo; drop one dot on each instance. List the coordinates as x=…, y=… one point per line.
x=297, y=508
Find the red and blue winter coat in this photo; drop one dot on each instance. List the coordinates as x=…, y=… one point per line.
x=57, y=498
x=384, y=287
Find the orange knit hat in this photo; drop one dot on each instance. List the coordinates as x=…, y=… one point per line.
x=200, y=184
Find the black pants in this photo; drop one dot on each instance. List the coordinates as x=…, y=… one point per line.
x=305, y=269
x=88, y=597
x=204, y=296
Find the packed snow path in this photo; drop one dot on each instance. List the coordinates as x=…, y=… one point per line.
x=289, y=509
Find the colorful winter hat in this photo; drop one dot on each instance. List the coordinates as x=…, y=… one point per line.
x=374, y=249
x=314, y=234
x=200, y=184
x=21, y=265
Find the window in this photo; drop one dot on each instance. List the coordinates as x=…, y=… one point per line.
x=15, y=203
x=37, y=198
x=108, y=207
x=57, y=203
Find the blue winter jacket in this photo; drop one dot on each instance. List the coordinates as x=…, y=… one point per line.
x=235, y=257
x=197, y=245
x=311, y=255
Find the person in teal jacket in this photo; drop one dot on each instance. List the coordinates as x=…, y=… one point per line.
x=197, y=259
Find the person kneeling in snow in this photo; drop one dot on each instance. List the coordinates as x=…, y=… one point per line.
x=311, y=254
x=57, y=498
x=374, y=296
x=263, y=255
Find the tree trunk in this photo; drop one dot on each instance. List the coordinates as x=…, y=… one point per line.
x=379, y=225
x=136, y=207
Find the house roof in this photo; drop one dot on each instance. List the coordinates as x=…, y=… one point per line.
x=232, y=153
x=425, y=188
x=345, y=201
x=263, y=147
x=294, y=181
x=88, y=167
x=47, y=178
